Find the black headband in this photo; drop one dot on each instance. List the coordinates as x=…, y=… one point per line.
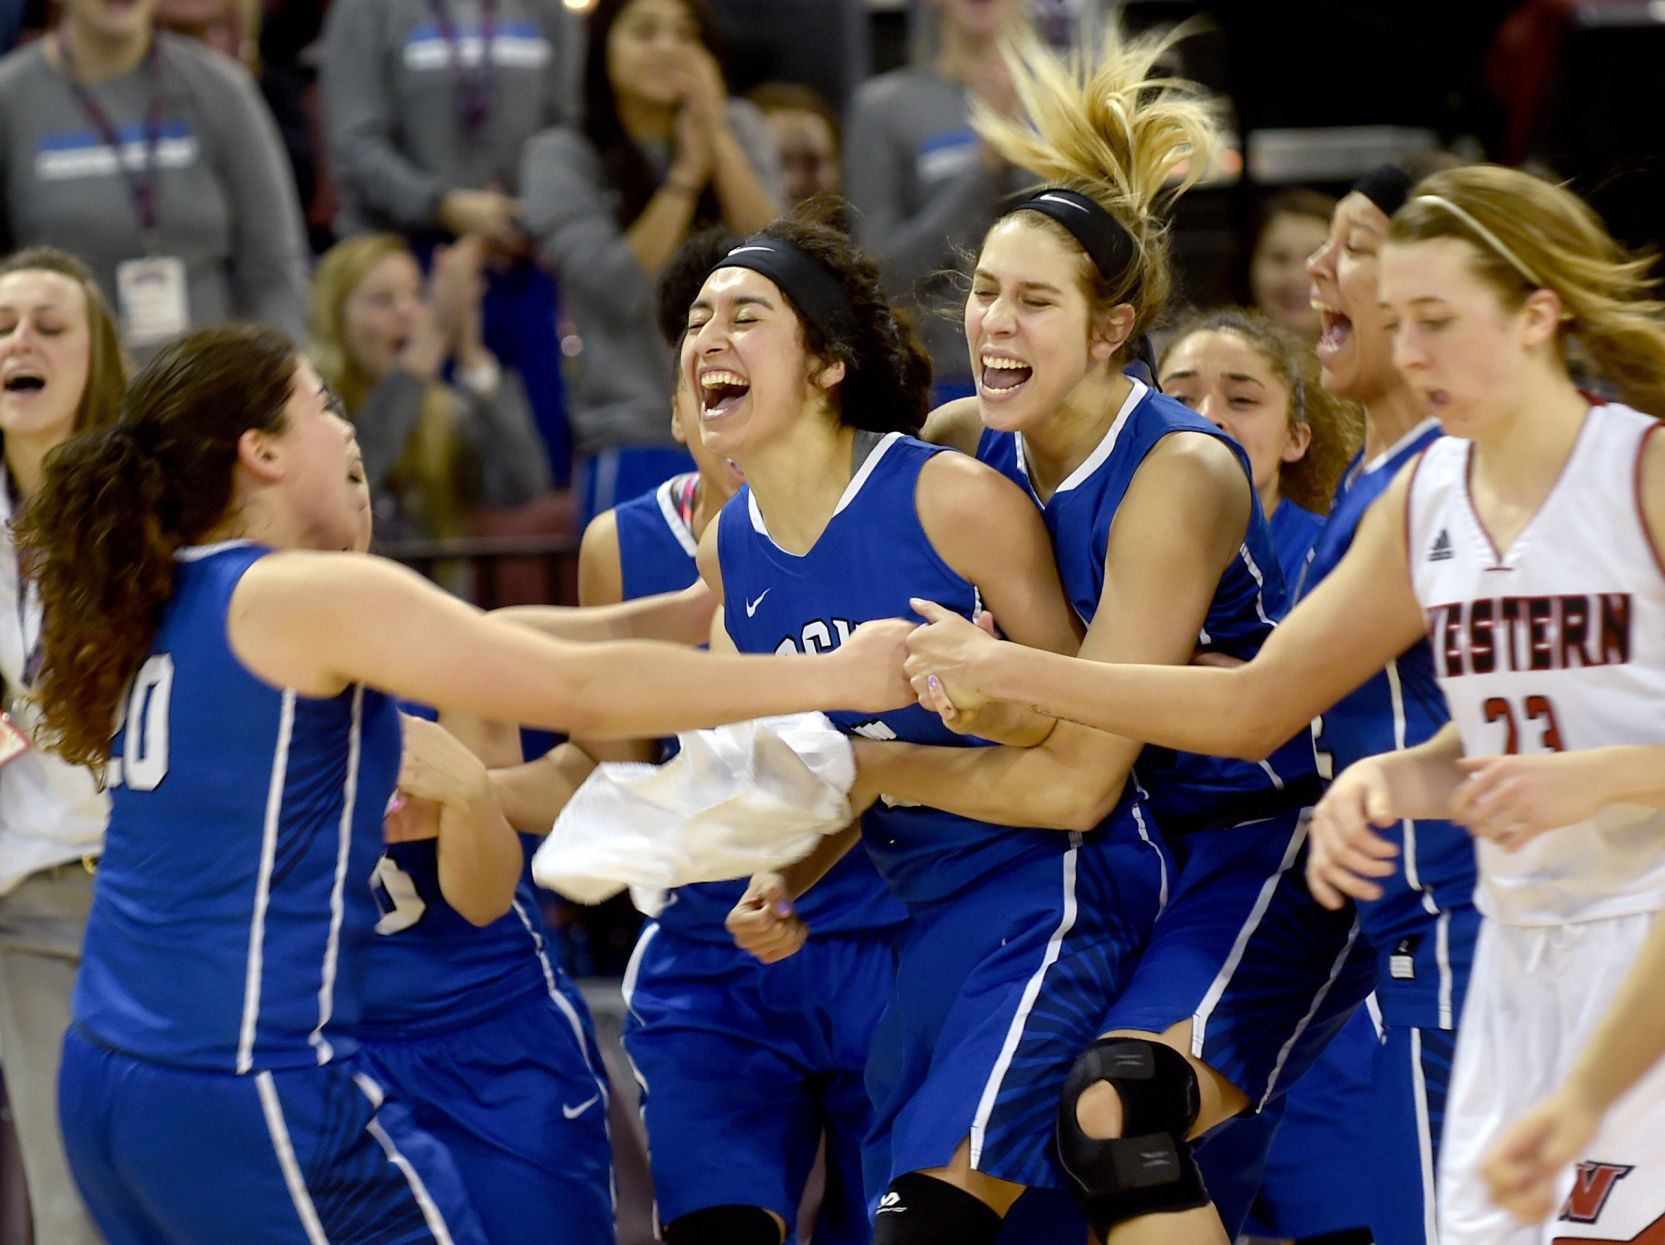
x=814, y=291
x=1107, y=243
x=1387, y=186
x=1105, y=239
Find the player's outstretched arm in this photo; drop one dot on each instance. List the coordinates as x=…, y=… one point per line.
x=319, y=622
x=677, y=617
x=1176, y=530
x=532, y=795
x=1524, y=1165
x=989, y=531
x=1359, y=618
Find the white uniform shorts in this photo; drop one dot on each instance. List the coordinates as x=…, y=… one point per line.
x=1537, y=994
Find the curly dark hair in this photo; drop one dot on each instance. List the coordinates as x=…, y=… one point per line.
x=887, y=371
x=680, y=281
x=118, y=501
x=1337, y=424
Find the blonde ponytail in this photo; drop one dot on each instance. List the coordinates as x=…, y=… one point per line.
x=1112, y=129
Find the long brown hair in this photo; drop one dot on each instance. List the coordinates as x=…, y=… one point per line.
x=106, y=365
x=630, y=177
x=428, y=477
x=1337, y=424
x=1542, y=236
x=116, y=504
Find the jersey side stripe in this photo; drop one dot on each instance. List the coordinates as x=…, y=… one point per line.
x=349, y=801
x=1161, y=860
x=1256, y=574
x=1424, y=1139
x=1317, y=1002
x=263, y=885
x=1396, y=696
x=1222, y=979
x=272, y=1109
x=1014, y=1033
x=1442, y=958
x=560, y=1000
x=431, y=1213
x=633, y=969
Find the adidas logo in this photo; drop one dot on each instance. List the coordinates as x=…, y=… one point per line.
x=1442, y=550
x=882, y=731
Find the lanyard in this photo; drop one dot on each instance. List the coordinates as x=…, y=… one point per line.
x=141, y=188
x=25, y=587
x=474, y=87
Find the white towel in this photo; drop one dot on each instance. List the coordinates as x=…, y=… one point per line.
x=735, y=800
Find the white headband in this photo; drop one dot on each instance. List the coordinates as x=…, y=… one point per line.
x=1490, y=238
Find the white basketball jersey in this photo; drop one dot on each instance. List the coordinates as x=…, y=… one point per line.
x=1554, y=645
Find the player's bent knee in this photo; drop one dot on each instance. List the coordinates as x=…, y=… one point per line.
x=922, y=1210
x=724, y=1225
x=1149, y=1169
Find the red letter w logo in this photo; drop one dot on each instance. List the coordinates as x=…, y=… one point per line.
x=1591, y=1188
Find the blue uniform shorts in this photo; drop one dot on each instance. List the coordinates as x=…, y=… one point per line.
x=1266, y=976
x=177, y=1156
x=1325, y=1123
x=745, y=1066
x=519, y=1101
x=1413, y=1077
x=998, y=990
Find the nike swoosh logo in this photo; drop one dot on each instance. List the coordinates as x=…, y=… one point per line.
x=751, y=606
x=572, y=1113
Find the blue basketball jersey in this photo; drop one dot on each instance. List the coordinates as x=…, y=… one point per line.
x=1399, y=707
x=871, y=558
x=233, y=900
x=656, y=539
x=1294, y=534
x=430, y=968
x=656, y=554
x=1189, y=791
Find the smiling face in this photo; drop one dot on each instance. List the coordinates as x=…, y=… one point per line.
x=720, y=474
x=1278, y=271
x=646, y=49
x=381, y=312
x=322, y=470
x=1027, y=325
x=1354, y=350
x=45, y=354
x=1224, y=379
x=1455, y=342
x=744, y=358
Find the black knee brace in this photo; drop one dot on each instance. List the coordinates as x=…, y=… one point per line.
x=724, y=1225
x=1149, y=1169
x=922, y=1210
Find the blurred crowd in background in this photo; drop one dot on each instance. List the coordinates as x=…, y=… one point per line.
x=462, y=207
